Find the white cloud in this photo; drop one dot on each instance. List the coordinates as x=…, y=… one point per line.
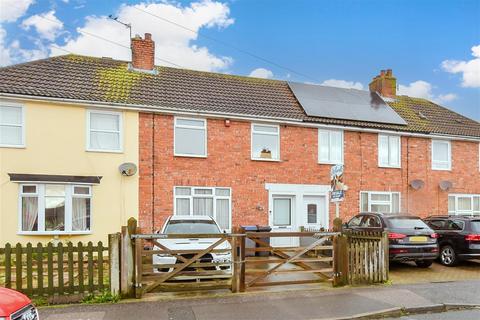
x=342, y=84
x=171, y=42
x=423, y=89
x=470, y=70
x=5, y=58
x=261, y=73
x=419, y=89
x=11, y=10
x=13, y=53
x=47, y=25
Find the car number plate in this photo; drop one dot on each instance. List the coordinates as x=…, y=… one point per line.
x=418, y=239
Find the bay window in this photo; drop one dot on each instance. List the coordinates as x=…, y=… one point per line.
x=55, y=209
x=204, y=201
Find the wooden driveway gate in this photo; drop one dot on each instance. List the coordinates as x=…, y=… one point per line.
x=315, y=259
x=193, y=269
x=336, y=257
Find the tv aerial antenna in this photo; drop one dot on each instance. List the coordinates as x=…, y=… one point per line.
x=127, y=25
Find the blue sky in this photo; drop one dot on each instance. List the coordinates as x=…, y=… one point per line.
x=433, y=47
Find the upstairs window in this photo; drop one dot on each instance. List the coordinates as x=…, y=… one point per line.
x=104, y=131
x=389, y=151
x=441, y=155
x=190, y=137
x=11, y=125
x=55, y=208
x=330, y=146
x=382, y=202
x=265, y=142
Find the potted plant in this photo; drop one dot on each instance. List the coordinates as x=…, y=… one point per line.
x=266, y=153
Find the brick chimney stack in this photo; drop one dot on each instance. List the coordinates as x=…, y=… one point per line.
x=143, y=53
x=384, y=84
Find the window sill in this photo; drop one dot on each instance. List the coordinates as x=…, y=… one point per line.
x=329, y=163
x=442, y=169
x=389, y=167
x=13, y=146
x=53, y=233
x=266, y=159
x=190, y=156
x=104, y=151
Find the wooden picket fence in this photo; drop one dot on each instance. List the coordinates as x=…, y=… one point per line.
x=54, y=269
x=367, y=257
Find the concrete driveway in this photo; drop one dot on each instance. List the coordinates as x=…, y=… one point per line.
x=407, y=273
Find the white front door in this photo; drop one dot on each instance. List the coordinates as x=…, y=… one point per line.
x=282, y=219
x=315, y=213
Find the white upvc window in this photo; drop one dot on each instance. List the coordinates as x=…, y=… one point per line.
x=265, y=142
x=55, y=209
x=330, y=146
x=104, y=131
x=215, y=202
x=389, y=151
x=464, y=204
x=190, y=137
x=12, y=125
x=441, y=155
x=379, y=201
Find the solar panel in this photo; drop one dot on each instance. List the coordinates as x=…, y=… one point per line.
x=340, y=103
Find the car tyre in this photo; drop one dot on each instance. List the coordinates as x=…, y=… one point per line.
x=448, y=257
x=423, y=263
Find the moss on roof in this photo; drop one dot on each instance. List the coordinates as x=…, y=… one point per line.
x=106, y=80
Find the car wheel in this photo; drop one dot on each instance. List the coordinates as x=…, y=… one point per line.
x=423, y=263
x=448, y=257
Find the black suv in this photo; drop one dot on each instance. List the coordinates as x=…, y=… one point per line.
x=410, y=238
x=459, y=237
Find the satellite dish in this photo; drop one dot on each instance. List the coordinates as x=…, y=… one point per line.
x=445, y=185
x=128, y=169
x=417, y=184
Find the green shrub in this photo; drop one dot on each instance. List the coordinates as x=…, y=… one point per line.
x=103, y=297
x=40, y=302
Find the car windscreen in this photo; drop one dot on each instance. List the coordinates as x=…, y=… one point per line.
x=191, y=227
x=475, y=225
x=406, y=223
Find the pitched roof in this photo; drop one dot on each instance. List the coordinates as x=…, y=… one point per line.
x=107, y=80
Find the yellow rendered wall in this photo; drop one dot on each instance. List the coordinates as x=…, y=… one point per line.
x=56, y=144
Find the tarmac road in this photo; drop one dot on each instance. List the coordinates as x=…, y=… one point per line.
x=292, y=305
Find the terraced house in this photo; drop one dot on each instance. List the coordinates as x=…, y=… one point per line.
x=244, y=150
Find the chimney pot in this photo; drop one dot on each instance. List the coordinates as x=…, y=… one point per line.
x=143, y=53
x=385, y=84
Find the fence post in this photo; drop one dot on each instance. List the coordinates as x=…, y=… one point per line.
x=127, y=265
x=340, y=260
x=386, y=260
x=138, y=268
x=241, y=252
x=114, y=258
x=238, y=259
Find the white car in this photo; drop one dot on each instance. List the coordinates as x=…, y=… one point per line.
x=192, y=225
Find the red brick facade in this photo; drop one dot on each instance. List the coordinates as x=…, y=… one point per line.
x=229, y=164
